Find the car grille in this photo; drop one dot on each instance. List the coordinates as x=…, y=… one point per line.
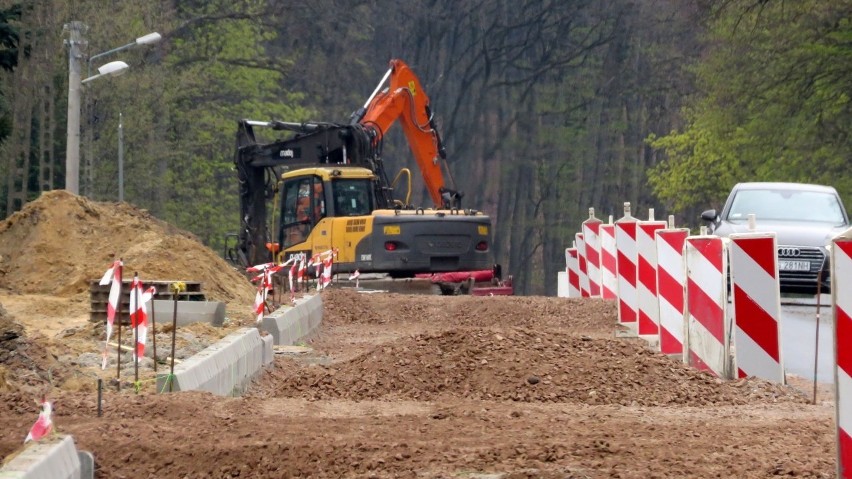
x=811, y=254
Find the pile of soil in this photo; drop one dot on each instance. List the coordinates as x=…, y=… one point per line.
x=529, y=349
x=25, y=361
x=59, y=243
x=50, y=253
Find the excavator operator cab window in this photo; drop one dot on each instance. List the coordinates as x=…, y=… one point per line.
x=352, y=198
x=303, y=205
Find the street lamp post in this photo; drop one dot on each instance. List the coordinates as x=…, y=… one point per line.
x=143, y=40
x=120, y=159
x=89, y=167
x=75, y=56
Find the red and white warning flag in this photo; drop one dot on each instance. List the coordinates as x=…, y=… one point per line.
x=259, y=267
x=291, y=276
x=139, y=314
x=259, y=302
x=112, y=275
x=303, y=268
x=263, y=289
x=355, y=276
x=316, y=261
x=325, y=280
x=266, y=275
x=43, y=425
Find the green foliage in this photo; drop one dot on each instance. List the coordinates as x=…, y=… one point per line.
x=775, y=103
x=9, y=36
x=220, y=74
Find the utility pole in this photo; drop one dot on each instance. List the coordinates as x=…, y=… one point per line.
x=121, y=160
x=76, y=42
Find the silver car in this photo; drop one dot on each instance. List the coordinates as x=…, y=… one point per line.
x=804, y=217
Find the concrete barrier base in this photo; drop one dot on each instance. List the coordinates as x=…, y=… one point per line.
x=50, y=458
x=188, y=312
x=225, y=368
x=291, y=324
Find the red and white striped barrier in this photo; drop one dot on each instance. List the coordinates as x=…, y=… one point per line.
x=609, y=278
x=841, y=279
x=671, y=286
x=581, y=255
x=646, y=279
x=572, y=264
x=707, y=329
x=757, y=306
x=626, y=257
x=591, y=235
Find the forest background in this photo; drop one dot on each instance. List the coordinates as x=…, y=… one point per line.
x=546, y=107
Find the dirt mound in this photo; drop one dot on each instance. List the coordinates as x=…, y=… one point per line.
x=589, y=316
x=25, y=361
x=52, y=250
x=521, y=365
x=61, y=242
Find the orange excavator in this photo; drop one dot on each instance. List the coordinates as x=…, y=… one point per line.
x=327, y=189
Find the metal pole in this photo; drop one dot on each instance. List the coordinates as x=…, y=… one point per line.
x=136, y=328
x=72, y=146
x=90, y=126
x=175, y=291
x=816, y=341
x=118, y=340
x=88, y=162
x=120, y=159
x=154, y=330
x=100, y=396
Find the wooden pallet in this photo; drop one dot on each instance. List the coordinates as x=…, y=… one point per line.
x=99, y=297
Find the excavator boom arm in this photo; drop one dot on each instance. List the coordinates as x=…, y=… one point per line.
x=406, y=101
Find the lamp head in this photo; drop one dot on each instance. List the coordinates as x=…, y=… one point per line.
x=113, y=68
x=149, y=39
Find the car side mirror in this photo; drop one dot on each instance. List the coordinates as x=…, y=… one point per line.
x=710, y=216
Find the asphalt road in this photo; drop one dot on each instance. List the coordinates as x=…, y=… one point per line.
x=799, y=338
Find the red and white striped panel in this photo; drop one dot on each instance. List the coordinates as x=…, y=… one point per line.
x=591, y=233
x=841, y=279
x=609, y=278
x=707, y=329
x=579, y=240
x=572, y=263
x=626, y=257
x=646, y=280
x=671, y=287
x=757, y=306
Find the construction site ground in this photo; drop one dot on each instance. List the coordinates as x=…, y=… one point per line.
x=392, y=385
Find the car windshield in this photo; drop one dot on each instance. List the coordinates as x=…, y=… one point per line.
x=787, y=205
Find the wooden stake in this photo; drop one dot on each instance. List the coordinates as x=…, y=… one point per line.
x=816, y=346
x=118, y=320
x=176, y=288
x=154, y=331
x=135, y=291
x=100, y=397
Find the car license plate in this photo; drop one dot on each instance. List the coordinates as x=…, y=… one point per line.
x=794, y=265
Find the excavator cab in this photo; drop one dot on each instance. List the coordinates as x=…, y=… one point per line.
x=320, y=206
x=302, y=207
x=352, y=197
